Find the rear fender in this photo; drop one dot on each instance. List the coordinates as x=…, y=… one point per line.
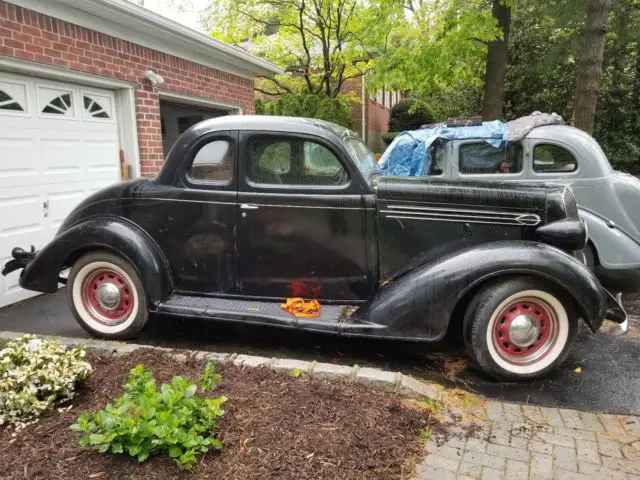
x=419, y=303
x=114, y=234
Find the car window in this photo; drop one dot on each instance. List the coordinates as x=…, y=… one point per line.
x=437, y=152
x=552, y=158
x=294, y=162
x=482, y=158
x=214, y=163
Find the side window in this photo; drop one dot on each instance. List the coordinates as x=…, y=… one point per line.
x=438, y=154
x=482, y=158
x=552, y=158
x=321, y=167
x=294, y=162
x=270, y=160
x=214, y=163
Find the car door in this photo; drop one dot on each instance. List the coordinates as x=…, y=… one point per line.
x=301, y=226
x=196, y=224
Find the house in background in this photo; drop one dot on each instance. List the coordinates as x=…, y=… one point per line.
x=372, y=111
x=86, y=85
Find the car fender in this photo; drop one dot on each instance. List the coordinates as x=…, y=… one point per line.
x=615, y=249
x=420, y=302
x=117, y=235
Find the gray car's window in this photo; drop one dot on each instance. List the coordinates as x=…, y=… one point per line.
x=287, y=161
x=482, y=158
x=553, y=158
x=214, y=163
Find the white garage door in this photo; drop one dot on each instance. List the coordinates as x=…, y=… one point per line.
x=58, y=144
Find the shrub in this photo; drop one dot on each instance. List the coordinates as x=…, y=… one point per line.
x=409, y=114
x=34, y=375
x=387, y=138
x=336, y=110
x=145, y=422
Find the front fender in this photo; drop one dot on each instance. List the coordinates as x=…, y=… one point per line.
x=420, y=303
x=108, y=233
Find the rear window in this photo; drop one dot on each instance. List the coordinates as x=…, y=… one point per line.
x=481, y=158
x=549, y=158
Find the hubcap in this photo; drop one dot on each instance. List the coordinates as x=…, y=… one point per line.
x=107, y=296
x=525, y=331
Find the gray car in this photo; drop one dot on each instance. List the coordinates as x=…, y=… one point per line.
x=609, y=201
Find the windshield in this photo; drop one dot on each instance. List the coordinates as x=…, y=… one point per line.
x=363, y=158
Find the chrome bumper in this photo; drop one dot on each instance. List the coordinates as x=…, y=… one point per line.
x=616, y=313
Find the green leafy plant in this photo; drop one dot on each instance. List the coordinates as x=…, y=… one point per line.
x=336, y=109
x=146, y=421
x=409, y=114
x=34, y=375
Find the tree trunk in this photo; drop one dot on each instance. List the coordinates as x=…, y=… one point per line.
x=590, y=63
x=496, y=64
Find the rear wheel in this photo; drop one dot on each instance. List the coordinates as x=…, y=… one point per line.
x=519, y=328
x=106, y=296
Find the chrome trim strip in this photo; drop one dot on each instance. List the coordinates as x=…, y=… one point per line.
x=255, y=204
x=466, y=214
x=457, y=220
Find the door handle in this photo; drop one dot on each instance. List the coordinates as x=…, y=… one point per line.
x=248, y=206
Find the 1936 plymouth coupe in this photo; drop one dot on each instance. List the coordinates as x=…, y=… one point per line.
x=249, y=211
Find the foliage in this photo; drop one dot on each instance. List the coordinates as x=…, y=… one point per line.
x=543, y=49
x=319, y=106
x=387, y=138
x=34, y=375
x=319, y=43
x=145, y=422
x=437, y=46
x=409, y=114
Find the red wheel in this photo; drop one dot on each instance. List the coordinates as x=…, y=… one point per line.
x=106, y=296
x=519, y=328
x=525, y=330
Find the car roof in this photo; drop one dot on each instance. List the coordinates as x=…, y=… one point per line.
x=274, y=124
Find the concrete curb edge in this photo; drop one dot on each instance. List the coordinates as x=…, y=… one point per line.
x=382, y=379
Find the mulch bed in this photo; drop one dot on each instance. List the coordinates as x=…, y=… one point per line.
x=276, y=426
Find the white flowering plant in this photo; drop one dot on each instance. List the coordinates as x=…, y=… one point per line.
x=34, y=375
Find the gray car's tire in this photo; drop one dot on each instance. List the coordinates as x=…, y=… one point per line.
x=519, y=328
x=106, y=296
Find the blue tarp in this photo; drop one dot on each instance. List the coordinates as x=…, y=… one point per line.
x=409, y=156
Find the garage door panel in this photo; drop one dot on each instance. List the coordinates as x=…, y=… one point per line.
x=58, y=145
x=18, y=165
x=20, y=213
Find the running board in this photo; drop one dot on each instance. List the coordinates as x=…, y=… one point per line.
x=332, y=318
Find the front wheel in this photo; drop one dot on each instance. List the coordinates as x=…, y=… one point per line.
x=519, y=328
x=106, y=296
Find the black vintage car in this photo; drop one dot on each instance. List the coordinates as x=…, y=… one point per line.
x=249, y=211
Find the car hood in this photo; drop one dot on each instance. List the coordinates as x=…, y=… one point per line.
x=530, y=197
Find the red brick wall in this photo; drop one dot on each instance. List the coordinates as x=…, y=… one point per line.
x=377, y=125
x=354, y=86
x=29, y=35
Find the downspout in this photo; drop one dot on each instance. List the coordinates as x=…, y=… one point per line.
x=363, y=127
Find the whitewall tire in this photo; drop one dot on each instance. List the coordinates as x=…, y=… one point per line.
x=106, y=296
x=519, y=328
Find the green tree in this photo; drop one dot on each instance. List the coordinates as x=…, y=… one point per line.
x=320, y=43
x=497, y=56
x=542, y=75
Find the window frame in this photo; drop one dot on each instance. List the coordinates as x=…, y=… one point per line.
x=247, y=185
x=556, y=173
x=192, y=152
x=461, y=174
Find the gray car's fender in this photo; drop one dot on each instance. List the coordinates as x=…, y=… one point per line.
x=615, y=249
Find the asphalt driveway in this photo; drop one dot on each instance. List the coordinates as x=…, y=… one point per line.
x=601, y=373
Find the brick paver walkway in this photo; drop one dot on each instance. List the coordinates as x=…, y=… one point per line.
x=525, y=442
